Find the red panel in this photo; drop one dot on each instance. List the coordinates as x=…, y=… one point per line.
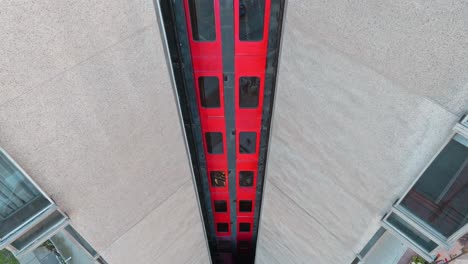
x=202, y=48
x=257, y=48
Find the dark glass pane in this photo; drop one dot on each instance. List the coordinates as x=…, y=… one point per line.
x=224, y=245
x=214, y=142
x=202, y=19
x=246, y=178
x=38, y=230
x=249, y=88
x=244, y=227
x=220, y=206
x=247, y=141
x=245, y=206
x=251, y=16
x=411, y=233
x=19, y=198
x=209, y=91
x=440, y=196
x=222, y=227
x=218, y=178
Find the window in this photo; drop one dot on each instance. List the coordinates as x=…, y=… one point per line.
x=247, y=142
x=39, y=230
x=411, y=233
x=224, y=245
x=440, y=196
x=249, y=88
x=245, y=206
x=214, y=142
x=209, y=92
x=218, y=179
x=244, y=227
x=202, y=19
x=20, y=200
x=251, y=16
x=246, y=178
x=220, y=206
x=222, y=227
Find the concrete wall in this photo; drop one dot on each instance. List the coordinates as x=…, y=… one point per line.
x=368, y=91
x=87, y=108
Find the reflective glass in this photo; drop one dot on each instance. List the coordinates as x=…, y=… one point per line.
x=222, y=227
x=202, y=20
x=246, y=178
x=19, y=198
x=440, y=196
x=247, y=141
x=220, y=206
x=413, y=234
x=218, y=178
x=209, y=92
x=248, y=92
x=251, y=17
x=38, y=230
x=244, y=227
x=214, y=142
x=245, y=206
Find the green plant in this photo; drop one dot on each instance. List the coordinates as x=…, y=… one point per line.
x=7, y=258
x=417, y=260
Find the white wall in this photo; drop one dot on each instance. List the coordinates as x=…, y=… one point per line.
x=87, y=108
x=368, y=91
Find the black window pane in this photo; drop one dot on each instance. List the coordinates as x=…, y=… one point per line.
x=244, y=227
x=249, y=88
x=411, y=233
x=218, y=178
x=440, y=196
x=202, y=20
x=251, y=16
x=247, y=142
x=224, y=246
x=245, y=206
x=220, y=206
x=214, y=142
x=222, y=227
x=246, y=178
x=209, y=91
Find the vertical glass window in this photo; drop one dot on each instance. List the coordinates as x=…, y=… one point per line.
x=209, y=92
x=251, y=17
x=202, y=19
x=222, y=227
x=245, y=206
x=19, y=198
x=246, y=178
x=440, y=196
x=218, y=179
x=410, y=232
x=220, y=206
x=247, y=142
x=214, y=142
x=249, y=88
x=244, y=227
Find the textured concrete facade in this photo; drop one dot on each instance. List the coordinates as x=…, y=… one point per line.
x=367, y=93
x=87, y=108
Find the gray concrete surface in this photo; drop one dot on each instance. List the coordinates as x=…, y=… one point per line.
x=87, y=108
x=367, y=93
